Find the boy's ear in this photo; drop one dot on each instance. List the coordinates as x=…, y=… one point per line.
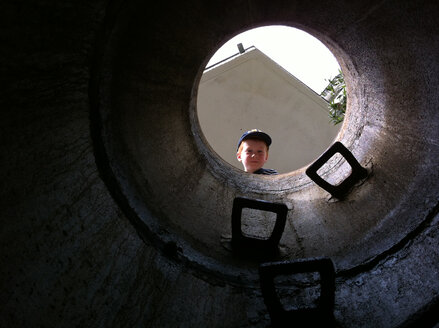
x=238, y=156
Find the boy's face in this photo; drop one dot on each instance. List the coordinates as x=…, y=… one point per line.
x=253, y=155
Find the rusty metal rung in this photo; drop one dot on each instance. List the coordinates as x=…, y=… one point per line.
x=358, y=172
x=317, y=316
x=258, y=248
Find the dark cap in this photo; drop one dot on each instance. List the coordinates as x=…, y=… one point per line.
x=255, y=134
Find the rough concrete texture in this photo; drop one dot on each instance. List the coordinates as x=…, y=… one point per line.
x=115, y=212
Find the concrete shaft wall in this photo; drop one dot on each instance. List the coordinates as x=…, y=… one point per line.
x=114, y=210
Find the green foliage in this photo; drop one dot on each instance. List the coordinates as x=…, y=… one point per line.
x=335, y=94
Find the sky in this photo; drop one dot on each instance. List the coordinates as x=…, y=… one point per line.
x=296, y=51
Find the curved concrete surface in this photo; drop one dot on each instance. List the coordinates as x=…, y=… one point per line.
x=126, y=221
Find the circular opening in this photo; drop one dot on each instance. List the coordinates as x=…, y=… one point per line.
x=270, y=78
x=173, y=190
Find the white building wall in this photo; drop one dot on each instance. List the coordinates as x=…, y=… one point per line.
x=251, y=91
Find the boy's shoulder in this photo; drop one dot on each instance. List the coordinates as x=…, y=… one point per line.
x=266, y=171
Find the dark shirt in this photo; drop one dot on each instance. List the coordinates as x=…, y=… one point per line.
x=266, y=171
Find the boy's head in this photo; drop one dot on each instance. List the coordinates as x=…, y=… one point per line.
x=252, y=150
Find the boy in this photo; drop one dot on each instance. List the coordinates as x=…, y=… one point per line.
x=252, y=152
